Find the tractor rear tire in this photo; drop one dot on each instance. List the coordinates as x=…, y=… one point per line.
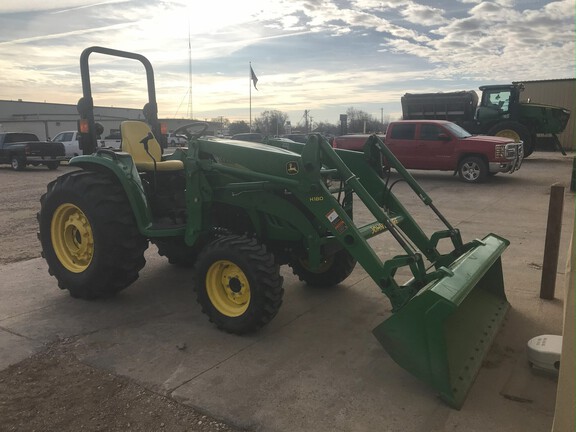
x=89, y=235
x=517, y=132
x=238, y=284
x=333, y=270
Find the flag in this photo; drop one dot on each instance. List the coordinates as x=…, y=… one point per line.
x=253, y=76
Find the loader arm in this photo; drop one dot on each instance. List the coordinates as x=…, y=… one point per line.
x=447, y=315
x=362, y=175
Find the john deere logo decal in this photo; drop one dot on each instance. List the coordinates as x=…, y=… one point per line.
x=292, y=168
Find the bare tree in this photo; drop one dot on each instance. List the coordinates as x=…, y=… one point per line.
x=327, y=129
x=361, y=122
x=238, y=127
x=223, y=122
x=271, y=122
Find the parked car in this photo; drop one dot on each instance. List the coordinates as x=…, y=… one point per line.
x=443, y=145
x=296, y=137
x=114, y=140
x=254, y=137
x=352, y=141
x=70, y=141
x=176, y=139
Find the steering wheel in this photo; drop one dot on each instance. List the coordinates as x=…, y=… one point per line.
x=192, y=130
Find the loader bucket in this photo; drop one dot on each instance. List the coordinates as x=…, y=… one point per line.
x=443, y=334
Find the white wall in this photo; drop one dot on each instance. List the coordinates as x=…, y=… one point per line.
x=48, y=119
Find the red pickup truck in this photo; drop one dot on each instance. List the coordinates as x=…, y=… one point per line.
x=443, y=145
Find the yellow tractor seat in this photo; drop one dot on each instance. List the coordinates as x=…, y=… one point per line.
x=133, y=132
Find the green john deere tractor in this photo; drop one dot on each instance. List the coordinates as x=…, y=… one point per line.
x=236, y=211
x=499, y=112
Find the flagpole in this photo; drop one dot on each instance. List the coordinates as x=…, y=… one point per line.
x=250, y=91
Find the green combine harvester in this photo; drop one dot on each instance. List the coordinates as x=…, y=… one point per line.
x=236, y=211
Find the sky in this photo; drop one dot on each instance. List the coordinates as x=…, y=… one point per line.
x=320, y=56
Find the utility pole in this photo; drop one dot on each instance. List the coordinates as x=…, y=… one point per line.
x=190, y=111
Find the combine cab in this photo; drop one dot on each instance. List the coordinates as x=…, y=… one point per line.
x=236, y=211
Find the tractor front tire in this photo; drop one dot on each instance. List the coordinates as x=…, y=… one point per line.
x=333, y=270
x=516, y=131
x=238, y=284
x=89, y=235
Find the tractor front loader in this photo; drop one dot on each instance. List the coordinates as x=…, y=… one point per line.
x=236, y=211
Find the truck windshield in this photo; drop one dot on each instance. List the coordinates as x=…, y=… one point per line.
x=457, y=130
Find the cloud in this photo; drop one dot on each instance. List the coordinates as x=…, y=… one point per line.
x=19, y=6
x=423, y=15
x=494, y=41
x=309, y=54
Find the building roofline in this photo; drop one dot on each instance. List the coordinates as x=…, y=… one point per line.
x=547, y=80
x=65, y=104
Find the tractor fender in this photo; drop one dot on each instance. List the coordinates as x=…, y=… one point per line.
x=123, y=168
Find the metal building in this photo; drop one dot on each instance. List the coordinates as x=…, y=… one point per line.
x=558, y=92
x=49, y=119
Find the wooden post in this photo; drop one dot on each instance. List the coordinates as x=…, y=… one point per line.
x=565, y=396
x=573, y=178
x=552, y=244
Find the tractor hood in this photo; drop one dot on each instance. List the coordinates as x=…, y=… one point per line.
x=252, y=156
x=545, y=106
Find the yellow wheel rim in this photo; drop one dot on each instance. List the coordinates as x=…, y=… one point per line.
x=228, y=288
x=509, y=133
x=72, y=238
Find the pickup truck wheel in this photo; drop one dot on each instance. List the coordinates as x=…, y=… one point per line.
x=333, y=270
x=472, y=170
x=238, y=284
x=89, y=235
x=17, y=163
x=53, y=165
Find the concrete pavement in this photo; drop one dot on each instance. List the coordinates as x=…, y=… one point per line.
x=316, y=366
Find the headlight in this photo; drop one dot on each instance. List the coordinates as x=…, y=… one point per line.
x=512, y=150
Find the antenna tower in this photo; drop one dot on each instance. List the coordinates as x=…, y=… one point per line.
x=190, y=111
